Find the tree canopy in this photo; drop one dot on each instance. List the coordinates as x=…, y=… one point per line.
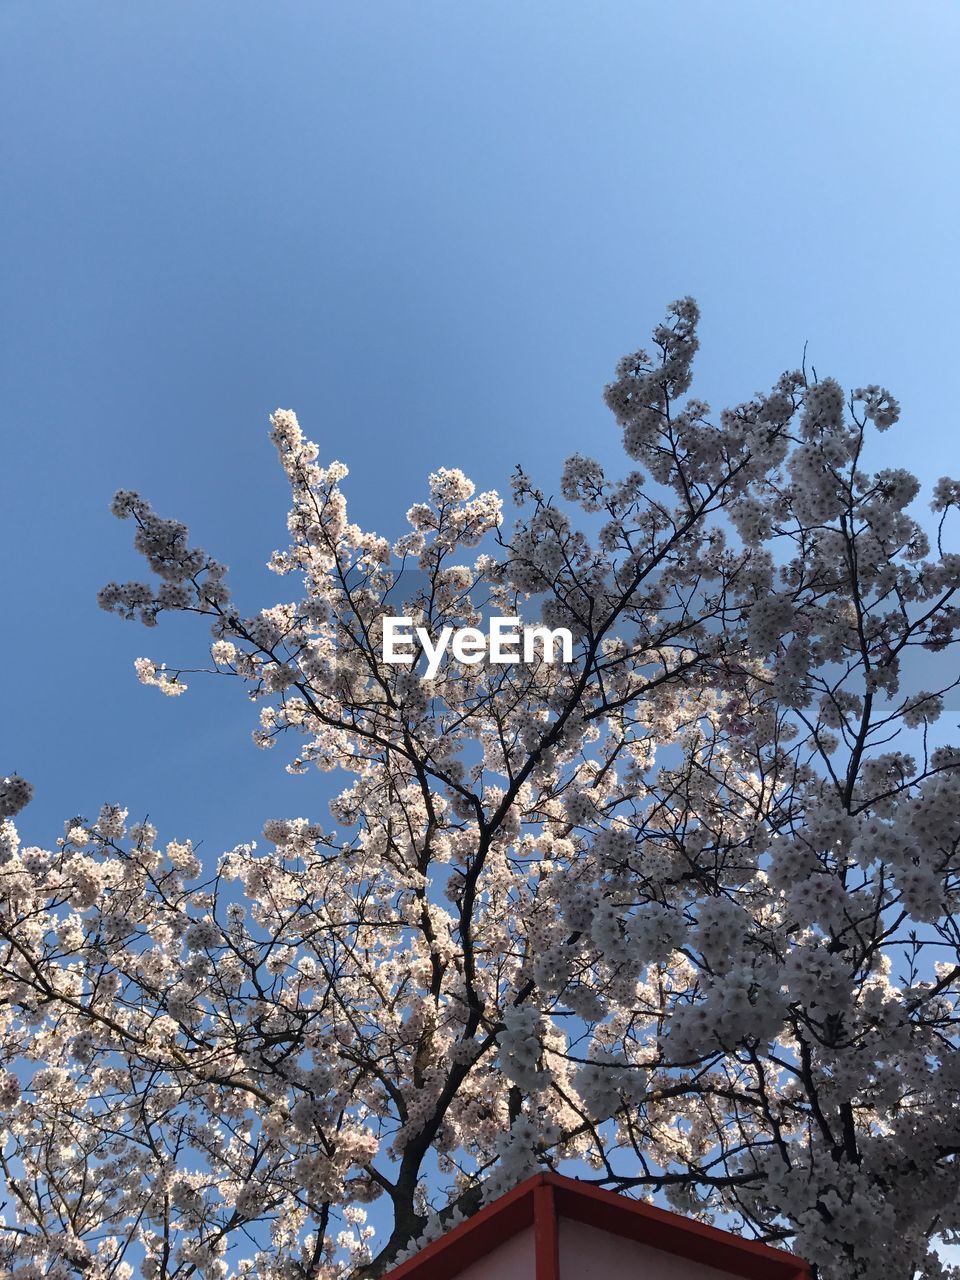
x=678, y=915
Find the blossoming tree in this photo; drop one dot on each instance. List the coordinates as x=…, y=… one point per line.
x=679, y=915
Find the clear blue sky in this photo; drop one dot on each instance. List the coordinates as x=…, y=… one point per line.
x=431, y=228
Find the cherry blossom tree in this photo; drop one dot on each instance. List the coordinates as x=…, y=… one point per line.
x=679, y=915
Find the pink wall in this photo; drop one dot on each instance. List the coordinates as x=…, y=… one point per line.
x=589, y=1254
x=512, y=1260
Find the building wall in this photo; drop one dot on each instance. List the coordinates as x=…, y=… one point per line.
x=512, y=1260
x=589, y=1254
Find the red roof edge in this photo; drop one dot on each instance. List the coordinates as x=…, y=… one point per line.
x=608, y=1211
x=470, y=1240
x=674, y=1233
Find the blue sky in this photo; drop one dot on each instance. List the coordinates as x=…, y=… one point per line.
x=431, y=229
